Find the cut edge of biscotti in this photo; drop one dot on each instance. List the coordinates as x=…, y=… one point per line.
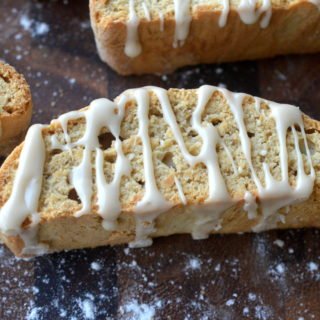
x=15, y=108
x=181, y=198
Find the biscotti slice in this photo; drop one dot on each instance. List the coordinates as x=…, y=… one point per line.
x=15, y=108
x=155, y=163
x=148, y=36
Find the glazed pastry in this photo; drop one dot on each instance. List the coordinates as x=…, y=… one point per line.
x=15, y=108
x=147, y=36
x=155, y=163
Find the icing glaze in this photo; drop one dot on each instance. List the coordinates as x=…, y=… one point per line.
x=315, y=2
x=224, y=13
x=250, y=14
x=132, y=45
x=146, y=11
x=183, y=20
x=23, y=201
x=102, y=114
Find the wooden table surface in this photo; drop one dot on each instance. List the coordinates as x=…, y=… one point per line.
x=274, y=275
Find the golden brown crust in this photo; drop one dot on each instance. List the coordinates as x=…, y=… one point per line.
x=293, y=28
x=16, y=110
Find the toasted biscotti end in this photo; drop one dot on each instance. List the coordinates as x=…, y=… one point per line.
x=129, y=170
x=211, y=32
x=15, y=108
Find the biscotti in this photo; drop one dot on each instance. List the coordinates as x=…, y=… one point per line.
x=147, y=36
x=155, y=163
x=15, y=108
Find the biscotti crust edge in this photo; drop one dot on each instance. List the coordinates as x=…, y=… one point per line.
x=299, y=24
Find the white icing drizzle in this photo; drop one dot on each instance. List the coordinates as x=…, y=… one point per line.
x=153, y=203
x=316, y=3
x=250, y=14
x=109, y=193
x=224, y=13
x=281, y=193
x=257, y=104
x=24, y=198
x=250, y=205
x=146, y=11
x=183, y=20
x=132, y=46
x=161, y=19
x=103, y=113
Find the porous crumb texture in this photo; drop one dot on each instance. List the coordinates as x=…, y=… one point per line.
x=59, y=200
x=14, y=91
x=15, y=108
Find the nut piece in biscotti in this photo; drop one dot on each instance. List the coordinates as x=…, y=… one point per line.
x=156, y=163
x=15, y=108
x=137, y=36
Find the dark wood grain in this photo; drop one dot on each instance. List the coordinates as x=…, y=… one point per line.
x=224, y=277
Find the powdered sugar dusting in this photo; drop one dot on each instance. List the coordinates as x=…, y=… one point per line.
x=35, y=28
x=193, y=264
x=88, y=309
x=138, y=311
x=312, y=266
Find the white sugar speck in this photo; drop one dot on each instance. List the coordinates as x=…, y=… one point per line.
x=88, y=309
x=139, y=311
x=312, y=266
x=25, y=22
x=33, y=314
x=96, y=266
x=279, y=243
x=217, y=268
x=41, y=28
x=280, y=268
x=252, y=296
x=219, y=70
x=35, y=28
x=164, y=77
x=194, y=264
x=280, y=75
x=230, y=302
x=245, y=311
x=263, y=313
